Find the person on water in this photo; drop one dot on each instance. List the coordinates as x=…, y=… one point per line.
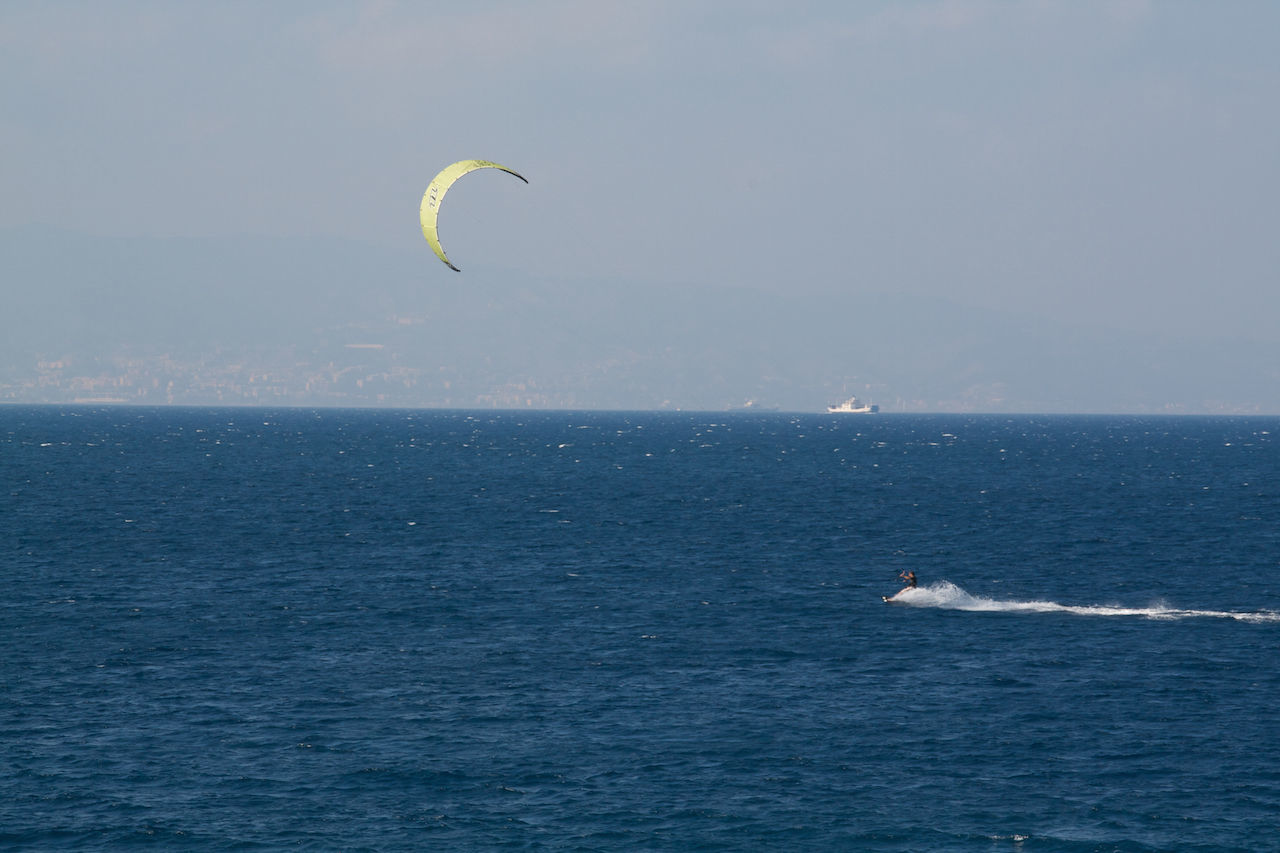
x=909, y=578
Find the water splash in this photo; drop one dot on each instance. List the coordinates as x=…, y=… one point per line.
x=948, y=596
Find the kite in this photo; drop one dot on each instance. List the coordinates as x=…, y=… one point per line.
x=430, y=212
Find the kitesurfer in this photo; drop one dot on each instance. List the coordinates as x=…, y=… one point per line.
x=909, y=578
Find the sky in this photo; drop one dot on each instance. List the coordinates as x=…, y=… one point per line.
x=1113, y=164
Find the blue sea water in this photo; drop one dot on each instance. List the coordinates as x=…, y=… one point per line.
x=252, y=629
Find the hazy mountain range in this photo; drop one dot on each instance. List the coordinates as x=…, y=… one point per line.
x=325, y=322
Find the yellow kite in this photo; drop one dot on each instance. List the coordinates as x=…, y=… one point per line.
x=440, y=184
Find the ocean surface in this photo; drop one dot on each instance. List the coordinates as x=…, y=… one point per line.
x=250, y=629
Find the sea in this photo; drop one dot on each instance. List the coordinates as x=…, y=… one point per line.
x=368, y=630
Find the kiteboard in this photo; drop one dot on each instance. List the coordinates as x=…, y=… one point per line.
x=892, y=599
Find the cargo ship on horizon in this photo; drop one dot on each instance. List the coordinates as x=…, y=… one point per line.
x=853, y=406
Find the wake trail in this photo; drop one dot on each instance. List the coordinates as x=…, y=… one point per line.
x=946, y=595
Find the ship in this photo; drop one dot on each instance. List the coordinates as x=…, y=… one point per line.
x=853, y=406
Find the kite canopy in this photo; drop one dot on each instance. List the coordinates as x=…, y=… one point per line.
x=430, y=212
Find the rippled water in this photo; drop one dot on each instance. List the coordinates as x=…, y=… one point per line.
x=251, y=629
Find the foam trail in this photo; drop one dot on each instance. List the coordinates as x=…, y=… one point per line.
x=948, y=596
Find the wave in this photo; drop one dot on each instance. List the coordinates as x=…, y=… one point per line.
x=948, y=596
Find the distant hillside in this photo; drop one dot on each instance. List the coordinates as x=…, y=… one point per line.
x=313, y=322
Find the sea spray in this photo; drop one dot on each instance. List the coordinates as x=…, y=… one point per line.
x=948, y=596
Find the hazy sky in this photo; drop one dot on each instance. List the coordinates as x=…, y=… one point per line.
x=1116, y=162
